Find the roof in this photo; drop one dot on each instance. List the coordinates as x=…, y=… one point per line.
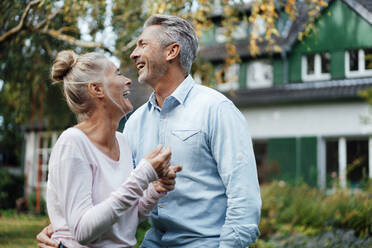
x=325, y=91
x=365, y=3
x=289, y=32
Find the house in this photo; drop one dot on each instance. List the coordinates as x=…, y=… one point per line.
x=302, y=104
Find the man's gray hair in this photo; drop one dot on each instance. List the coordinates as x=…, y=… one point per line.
x=178, y=30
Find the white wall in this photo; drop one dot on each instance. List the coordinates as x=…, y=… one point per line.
x=332, y=119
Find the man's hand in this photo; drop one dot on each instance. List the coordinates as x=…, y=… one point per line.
x=167, y=183
x=44, y=240
x=159, y=158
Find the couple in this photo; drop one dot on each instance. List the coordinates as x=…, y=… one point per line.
x=94, y=196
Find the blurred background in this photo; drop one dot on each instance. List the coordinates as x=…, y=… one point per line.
x=300, y=71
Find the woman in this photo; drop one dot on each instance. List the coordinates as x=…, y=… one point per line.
x=94, y=197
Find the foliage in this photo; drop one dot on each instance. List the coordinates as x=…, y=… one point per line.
x=288, y=209
x=11, y=188
x=329, y=239
x=32, y=32
x=291, y=217
x=32, y=204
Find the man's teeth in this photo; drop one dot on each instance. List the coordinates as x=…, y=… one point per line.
x=140, y=66
x=126, y=93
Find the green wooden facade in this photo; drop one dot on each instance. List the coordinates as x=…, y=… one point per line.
x=296, y=158
x=338, y=29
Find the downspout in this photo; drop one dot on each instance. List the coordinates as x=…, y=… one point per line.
x=285, y=66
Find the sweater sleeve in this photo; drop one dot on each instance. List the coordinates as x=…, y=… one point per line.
x=148, y=201
x=74, y=187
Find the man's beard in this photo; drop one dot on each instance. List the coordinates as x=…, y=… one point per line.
x=157, y=71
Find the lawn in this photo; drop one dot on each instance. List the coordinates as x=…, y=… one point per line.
x=20, y=230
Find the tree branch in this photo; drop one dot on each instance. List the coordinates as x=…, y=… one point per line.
x=73, y=41
x=19, y=27
x=129, y=45
x=48, y=19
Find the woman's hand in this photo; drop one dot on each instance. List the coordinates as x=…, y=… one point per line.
x=160, y=160
x=44, y=240
x=167, y=183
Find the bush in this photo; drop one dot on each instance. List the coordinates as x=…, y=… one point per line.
x=11, y=188
x=287, y=209
x=32, y=204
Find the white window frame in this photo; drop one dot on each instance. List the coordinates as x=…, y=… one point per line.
x=220, y=36
x=231, y=77
x=255, y=84
x=318, y=75
x=361, y=72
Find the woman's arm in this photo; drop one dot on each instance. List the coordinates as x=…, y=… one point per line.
x=85, y=220
x=155, y=191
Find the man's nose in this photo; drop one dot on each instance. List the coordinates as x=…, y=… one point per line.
x=134, y=54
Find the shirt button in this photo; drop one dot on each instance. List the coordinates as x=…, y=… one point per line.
x=161, y=205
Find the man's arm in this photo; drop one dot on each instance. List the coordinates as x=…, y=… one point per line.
x=232, y=149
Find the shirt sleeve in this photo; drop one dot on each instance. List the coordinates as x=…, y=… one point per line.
x=74, y=187
x=232, y=149
x=148, y=201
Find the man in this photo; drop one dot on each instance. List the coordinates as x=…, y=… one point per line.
x=216, y=201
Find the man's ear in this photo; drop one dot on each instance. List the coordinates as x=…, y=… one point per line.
x=172, y=51
x=96, y=90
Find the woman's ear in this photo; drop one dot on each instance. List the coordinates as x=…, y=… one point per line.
x=172, y=51
x=96, y=90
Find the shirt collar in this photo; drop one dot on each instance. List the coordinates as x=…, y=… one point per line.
x=180, y=94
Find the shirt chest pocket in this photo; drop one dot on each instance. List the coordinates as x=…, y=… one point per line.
x=185, y=144
x=186, y=137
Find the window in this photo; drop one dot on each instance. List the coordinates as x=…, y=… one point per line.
x=220, y=34
x=240, y=32
x=259, y=74
x=230, y=78
x=331, y=162
x=267, y=171
x=316, y=67
x=347, y=161
x=259, y=26
x=357, y=161
x=358, y=63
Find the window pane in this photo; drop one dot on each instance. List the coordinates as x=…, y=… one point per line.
x=332, y=162
x=357, y=161
x=353, y=55
x=368, y=59
x=326, y=59
x=310, y=64
x=266, y=171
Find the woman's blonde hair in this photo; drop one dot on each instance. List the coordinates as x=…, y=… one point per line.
x=75, y=72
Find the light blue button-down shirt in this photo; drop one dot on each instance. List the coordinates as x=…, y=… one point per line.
x=216, y=201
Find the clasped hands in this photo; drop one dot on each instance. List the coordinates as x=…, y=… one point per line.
x=160, y=158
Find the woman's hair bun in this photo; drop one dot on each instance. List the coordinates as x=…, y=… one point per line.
x=63, y=63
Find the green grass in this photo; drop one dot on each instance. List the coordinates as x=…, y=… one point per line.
x=19, y=231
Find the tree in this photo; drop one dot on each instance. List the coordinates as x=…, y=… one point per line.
x=32, y=32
